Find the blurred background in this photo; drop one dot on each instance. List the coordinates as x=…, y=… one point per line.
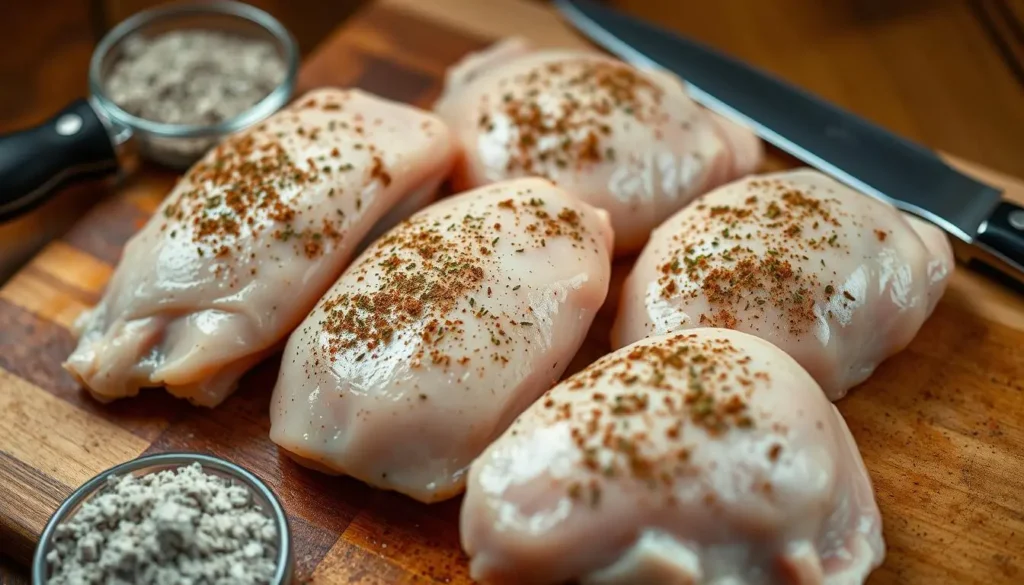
x=946, y=73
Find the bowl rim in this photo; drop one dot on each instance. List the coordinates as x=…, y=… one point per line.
x=273, y=101
x=284, y=562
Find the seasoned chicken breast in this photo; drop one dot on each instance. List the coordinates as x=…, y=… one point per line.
x=837, y=279
x=249, y=239
x=702, y=457
x=440, y=334
x=629, y=141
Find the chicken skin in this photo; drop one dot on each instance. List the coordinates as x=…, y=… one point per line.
x=837, y=279
x=629, y=141
x=700, y=457
x=248, y=241
x=440, y=334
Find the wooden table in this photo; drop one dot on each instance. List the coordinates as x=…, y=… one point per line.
x=835, y=34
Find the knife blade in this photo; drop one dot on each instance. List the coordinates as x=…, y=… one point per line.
x=855, y=151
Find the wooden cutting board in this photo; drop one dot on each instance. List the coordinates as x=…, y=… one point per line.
x=940, y=426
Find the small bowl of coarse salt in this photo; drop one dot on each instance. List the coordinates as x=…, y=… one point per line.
x=168, y=518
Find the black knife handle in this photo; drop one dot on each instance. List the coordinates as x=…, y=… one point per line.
x=1003, y=233
x=35, y=162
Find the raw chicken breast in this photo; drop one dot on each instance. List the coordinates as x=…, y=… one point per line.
x=249, y=239
x=629, y=141
x=440, y=334
x=837, y=279
x=702, y=457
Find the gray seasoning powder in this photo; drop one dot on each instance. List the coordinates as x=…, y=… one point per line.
x=180, y=526
x=193, y=76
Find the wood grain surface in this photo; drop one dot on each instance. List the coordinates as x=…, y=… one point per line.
x=11, y=573
x=939, y=425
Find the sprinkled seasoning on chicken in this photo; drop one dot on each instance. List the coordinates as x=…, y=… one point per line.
x=703, y=457
x=838, y=280
x=625, y=140
x=250, y=238
x=440, y=333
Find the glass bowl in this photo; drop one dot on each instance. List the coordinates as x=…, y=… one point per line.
x=180, y=145
x=262, y=494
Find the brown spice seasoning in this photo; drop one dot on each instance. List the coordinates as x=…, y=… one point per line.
x=240, y=187
x=560, y=113
x=443, y=275
x=718, y=257
x=378, y=172
x=425, y=269
x=248, y=185
x=702, y=391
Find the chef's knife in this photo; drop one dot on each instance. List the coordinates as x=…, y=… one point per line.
x=863, y=155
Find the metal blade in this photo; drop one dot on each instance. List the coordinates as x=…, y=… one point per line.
x=839, y=143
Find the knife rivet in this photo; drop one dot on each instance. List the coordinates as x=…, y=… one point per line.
x=69, y=124
x=1016, y=219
